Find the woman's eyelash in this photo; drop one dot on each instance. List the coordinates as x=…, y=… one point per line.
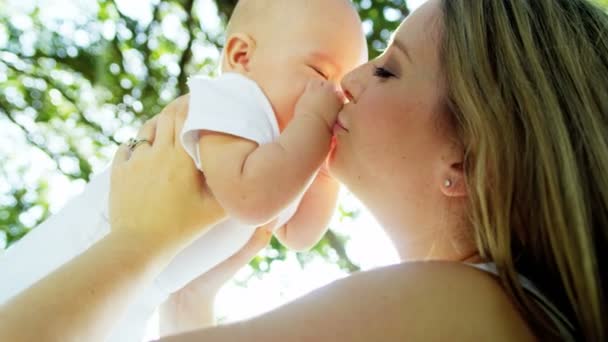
x=382, y=73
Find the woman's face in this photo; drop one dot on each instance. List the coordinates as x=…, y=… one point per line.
x=392, y=149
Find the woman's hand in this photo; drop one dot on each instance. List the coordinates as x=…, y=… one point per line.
x=158, y=197
x=191, y=307
x=158, y=204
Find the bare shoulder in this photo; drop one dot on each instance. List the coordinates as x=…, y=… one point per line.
x=425, y=301
x=436, y=300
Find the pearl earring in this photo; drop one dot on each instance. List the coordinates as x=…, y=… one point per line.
x=448, y=183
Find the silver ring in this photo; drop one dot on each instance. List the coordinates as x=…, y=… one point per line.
x=133, y=143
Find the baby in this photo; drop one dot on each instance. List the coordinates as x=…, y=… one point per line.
x=259, y=133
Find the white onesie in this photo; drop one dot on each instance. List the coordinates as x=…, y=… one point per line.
x=231, y=104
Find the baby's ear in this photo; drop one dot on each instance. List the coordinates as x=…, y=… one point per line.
x=237, y=53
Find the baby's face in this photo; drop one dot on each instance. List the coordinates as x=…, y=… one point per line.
x=325, y=43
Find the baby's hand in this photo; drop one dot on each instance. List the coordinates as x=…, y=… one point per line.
x=321, y=99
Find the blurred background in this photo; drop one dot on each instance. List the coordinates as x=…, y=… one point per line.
x=78, y=77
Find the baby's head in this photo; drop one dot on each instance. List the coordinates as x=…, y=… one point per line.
x=282, y=44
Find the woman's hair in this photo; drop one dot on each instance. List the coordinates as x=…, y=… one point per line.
x=527, y=88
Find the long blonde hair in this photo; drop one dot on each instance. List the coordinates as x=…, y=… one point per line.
x=528, y=91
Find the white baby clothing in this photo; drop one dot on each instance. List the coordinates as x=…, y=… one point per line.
x=231, y=104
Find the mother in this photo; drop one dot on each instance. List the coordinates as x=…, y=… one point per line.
x=479, y=136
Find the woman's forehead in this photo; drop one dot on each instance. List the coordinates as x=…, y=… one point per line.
x=420, y=32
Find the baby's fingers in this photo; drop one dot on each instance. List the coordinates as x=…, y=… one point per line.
x=341, y=95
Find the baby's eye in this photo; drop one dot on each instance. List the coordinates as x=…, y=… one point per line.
x=383, y=73
x=319, y=72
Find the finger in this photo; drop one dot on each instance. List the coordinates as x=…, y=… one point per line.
x=183, y=103
x=148, y=130
x=165, y=129
x=178, y=111
x=121, y=156
x=175, y=107
x=340, y=94
x=179, y=124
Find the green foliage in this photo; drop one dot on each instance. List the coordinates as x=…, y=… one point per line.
x=74, y=88
x=382, y=17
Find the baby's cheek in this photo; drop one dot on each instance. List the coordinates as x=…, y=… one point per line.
x=288, y=101
x=292, y=88
x=294, y=92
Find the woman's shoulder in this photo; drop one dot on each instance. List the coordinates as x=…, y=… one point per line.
x=422, y=301
x=448, y=297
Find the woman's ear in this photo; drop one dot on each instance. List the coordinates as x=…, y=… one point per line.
x=454, y=183
x=238, y=52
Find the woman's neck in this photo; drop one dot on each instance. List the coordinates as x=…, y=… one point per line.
x=434, y=240
x=433, y=227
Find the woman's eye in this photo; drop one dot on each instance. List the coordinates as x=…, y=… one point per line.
x=319, y=72
x=382, y=73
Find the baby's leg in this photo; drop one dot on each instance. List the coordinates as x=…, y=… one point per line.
x=217, y=245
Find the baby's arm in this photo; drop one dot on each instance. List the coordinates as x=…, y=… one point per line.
x=254, y=183
x=312, y=218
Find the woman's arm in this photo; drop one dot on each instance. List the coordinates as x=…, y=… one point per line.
x=191, y=308
x=81, y=300
x=430, y=301
x=158, y=204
